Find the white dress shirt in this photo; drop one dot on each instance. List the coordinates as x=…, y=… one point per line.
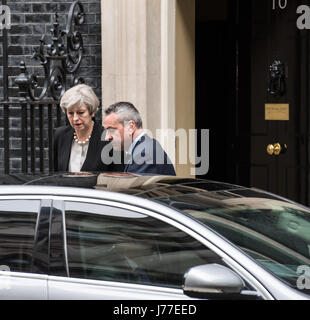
x=77, y=156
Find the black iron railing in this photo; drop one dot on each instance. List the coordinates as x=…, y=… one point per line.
x=37, y=119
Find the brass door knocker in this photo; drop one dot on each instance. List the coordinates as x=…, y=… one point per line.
x=277, y=85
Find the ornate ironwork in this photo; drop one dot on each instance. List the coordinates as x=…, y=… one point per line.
x=277, y=86
x=60, y=58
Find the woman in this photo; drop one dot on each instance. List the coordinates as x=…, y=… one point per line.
x=78, y=147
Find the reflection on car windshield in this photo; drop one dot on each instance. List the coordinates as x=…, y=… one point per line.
x=273, y=232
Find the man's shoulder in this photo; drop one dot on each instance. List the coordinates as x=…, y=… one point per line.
x=146, y=139
x=148, y=142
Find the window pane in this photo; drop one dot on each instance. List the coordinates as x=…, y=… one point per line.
x=120, y=245
x=17, y=231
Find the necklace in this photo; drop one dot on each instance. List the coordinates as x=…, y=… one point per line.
x=76, y=139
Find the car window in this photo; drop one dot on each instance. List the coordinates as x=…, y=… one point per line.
x=273, y=232
x=113, y=244
x=17, y=233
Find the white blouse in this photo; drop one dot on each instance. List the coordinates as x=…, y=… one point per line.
x=77, y=156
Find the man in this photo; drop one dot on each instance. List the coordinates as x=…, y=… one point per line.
x=123, y=128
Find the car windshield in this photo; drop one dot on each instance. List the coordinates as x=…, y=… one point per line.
x=275, y=233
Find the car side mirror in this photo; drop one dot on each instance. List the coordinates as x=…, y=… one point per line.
x=212, y=281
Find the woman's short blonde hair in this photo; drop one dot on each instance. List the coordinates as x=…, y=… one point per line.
x=79, y=95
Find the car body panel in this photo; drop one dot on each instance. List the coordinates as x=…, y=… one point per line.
x=60, y=288
x=22, y=286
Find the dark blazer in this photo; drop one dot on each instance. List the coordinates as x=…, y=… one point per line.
x=63, y=137
x=148, y=156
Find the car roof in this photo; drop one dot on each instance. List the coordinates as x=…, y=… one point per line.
x=153, y=187
x=147, y=186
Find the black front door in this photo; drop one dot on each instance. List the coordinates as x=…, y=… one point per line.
x=252, y=91
x=279, y=100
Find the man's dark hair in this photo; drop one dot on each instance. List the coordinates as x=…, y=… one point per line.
x=125, y=111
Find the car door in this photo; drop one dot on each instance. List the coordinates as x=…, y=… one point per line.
x=23, y=247
x=115, y=252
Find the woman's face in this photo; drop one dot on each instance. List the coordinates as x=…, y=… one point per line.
x=80, y=118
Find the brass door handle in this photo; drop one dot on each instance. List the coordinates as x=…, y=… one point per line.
x=276, y=149
x=270, y=149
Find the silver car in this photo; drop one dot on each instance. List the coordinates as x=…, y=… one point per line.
x=122, y=236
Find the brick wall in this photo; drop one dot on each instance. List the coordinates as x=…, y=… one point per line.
x=30, y=20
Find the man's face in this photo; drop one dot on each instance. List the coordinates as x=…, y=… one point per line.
x=118, y=134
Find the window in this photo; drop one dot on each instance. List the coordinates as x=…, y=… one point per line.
x=273, y=232
x=113, y=244
x=17, y=232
